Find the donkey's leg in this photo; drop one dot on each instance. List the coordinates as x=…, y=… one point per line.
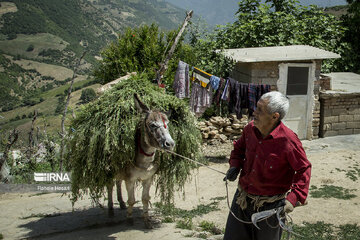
x=119, y=194
x=130, y=187
x=110, y=199
x=145, y=200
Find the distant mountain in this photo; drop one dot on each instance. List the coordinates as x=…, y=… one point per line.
x=58, y=32
x=221, y=12
x=91, y=23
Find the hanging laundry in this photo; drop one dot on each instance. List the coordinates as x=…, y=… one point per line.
x=219, y=91
x=234, y=96
x=225, y=94
x=202, y=76
x=181, y=83
x=214, y=81
x=244, y=95
x=255, y=93
x=200, y=99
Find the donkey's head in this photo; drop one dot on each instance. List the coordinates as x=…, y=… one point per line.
x=155, y=127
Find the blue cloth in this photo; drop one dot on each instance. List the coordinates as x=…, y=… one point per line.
x=214, y=81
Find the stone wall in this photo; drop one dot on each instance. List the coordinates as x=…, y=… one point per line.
x=340, y=114
x=219, y=129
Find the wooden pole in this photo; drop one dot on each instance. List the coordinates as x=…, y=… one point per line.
x=164, y=65
x=63, y=133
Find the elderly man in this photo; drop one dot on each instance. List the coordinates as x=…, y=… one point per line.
x=274, y=171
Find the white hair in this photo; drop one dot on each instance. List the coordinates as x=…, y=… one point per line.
x=277, y=102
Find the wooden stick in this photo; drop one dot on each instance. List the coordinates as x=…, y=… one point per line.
x=164, y=65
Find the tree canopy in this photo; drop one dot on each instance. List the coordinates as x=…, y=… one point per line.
x=280, y=23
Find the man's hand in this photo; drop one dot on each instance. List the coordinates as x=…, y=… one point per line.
x=288, y=208
x=232, y=174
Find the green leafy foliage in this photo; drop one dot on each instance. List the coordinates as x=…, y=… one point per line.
x=259, y=25
x=139, y=49
x=87, y=95
x=142, y=49
x=325, y=231
x=330, y=191
x=351, y=55
x=103, y=141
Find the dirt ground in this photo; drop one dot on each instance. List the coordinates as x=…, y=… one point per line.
x=50, y=216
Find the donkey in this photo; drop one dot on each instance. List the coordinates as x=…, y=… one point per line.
x=152, y=133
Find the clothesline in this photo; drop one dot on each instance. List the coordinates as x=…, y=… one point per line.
x=238, y=95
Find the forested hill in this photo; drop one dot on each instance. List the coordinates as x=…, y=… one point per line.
x=82, y=22
x=42, y=40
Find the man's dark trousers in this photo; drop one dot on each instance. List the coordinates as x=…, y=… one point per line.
x=235, y=230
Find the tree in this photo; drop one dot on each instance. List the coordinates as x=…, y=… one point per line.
x=279, y=23
x=136, y=50
x=87, y=95
x=351, y=21
x=140, y=50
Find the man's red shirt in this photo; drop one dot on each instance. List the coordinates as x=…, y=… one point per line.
x=272, y=165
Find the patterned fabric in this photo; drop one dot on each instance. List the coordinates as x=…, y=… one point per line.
x=181, y=83
x=200, y=99
x=255, y=93
x=252, y=92
x=225, y=94
x=219, y=91
x=234, y=97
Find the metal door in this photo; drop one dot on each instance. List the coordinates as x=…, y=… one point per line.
x=296, y=81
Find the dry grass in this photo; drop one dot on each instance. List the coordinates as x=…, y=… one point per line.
x=40, y=41
x=7, y=7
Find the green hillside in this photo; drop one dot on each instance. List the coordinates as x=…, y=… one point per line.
x=41, y=41
x=83, y=23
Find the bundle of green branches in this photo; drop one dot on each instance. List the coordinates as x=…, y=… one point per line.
x=103, y=139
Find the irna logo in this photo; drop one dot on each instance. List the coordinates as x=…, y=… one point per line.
x=51, y=177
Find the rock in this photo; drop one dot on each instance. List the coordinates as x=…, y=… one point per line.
x=213, y=133
x=205, y=135
x=236, y=126
x=201, y=124
x=233, y=117
x=212, y=128
x=208, y=123
x=223, y=138
x=226, y=123
x=205, y=129
x=217, y=121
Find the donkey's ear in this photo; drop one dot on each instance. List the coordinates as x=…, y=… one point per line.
x=140, y=106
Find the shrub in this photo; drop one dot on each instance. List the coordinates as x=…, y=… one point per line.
x=30, y=48
x=87, y=95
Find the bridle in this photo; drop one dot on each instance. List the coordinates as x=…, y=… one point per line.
x=149, y=130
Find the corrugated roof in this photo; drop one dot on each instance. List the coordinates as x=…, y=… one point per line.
x=278, y=53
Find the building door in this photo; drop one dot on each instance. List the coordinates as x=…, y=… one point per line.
x=296, y=81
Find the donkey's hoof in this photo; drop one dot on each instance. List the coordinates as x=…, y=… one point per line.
x=130, y=221
x=111, y=212
x=122, y=205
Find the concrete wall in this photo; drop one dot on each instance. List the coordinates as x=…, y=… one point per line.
x=340, y=114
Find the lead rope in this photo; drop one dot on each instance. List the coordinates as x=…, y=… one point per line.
x=282, y=225
x=226, y=182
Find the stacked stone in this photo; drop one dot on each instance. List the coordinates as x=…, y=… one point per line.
x=341, y=114
x=219, y=129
